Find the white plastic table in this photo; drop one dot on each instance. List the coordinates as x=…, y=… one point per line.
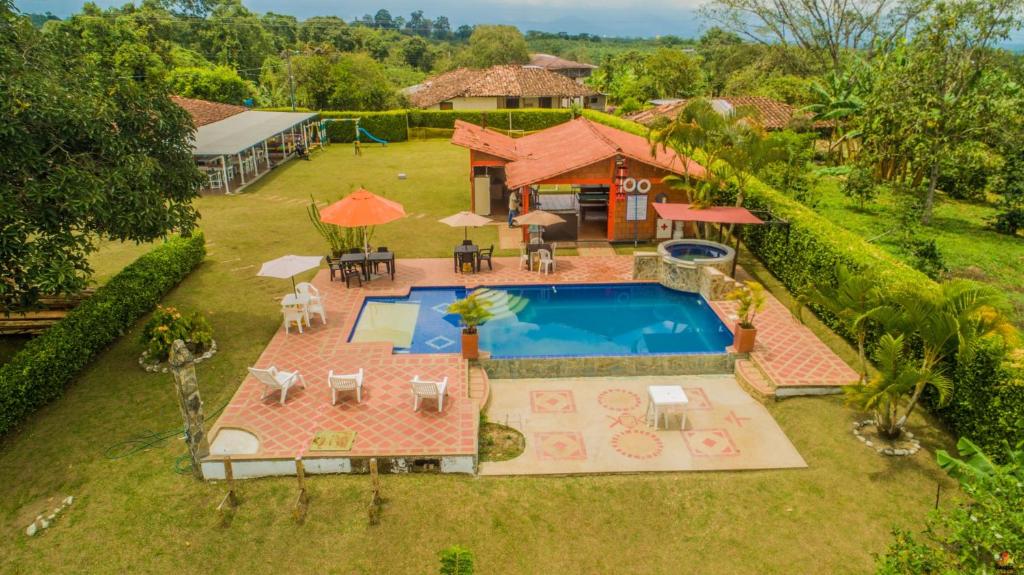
x=662, y=400
x=299, y=300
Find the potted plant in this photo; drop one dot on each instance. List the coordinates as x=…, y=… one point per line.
x=751, y=298
x=472, y=312
x=169, y=324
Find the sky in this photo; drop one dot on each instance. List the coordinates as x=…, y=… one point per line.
x=603, y=17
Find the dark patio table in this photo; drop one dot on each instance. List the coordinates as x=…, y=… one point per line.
x=463, y=249
x=360, y=259
x=387, y=257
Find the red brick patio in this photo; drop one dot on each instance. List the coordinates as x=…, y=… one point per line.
x=385, y=423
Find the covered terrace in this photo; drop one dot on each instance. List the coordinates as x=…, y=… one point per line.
x=601, y=180
x=237, y=150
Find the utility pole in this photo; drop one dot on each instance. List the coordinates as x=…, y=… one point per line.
x=291, y=78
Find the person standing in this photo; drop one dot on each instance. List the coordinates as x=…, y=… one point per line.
x=513, y=207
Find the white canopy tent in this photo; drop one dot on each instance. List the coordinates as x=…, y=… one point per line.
x=242, y=140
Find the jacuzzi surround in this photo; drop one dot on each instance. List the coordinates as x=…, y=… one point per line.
x=718, y=254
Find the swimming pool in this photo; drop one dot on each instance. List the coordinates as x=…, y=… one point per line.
x=551, y=321
x=690, y=251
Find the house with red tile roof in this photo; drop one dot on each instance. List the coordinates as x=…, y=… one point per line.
x=601, y=180
x=773, y=114
x=578, y=71
x=204, y=112
x=502, y=87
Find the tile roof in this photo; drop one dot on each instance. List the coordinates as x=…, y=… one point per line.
x=204, y=112
x=551, y=62
x=566, y=147
x=774, y=115
x=511, y=80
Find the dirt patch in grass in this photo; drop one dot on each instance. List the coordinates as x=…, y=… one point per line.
x=499, y=442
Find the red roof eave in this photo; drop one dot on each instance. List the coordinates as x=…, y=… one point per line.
x=713, y=214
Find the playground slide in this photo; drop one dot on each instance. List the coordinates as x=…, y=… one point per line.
x=372, y=137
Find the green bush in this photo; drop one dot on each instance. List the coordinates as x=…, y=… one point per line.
x=388, y=126
x=987, y=404
x=46, y=365
x=527, y=120
x=167, y=325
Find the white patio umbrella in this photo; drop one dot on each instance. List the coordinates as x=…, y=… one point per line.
x=465, y=220
x=287, y=266
x=539, y=218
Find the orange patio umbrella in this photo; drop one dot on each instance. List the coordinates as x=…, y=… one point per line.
x=362, y=209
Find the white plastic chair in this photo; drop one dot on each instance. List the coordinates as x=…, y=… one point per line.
x=294, y=314
x=547, y=263
x=524, y=258
x=275, y=380
x=423, y=389
x=345, y=382
x=316, y=301
x=216, y=178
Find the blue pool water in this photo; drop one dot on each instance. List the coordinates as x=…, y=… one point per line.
x=572, y=320
x=691, y=252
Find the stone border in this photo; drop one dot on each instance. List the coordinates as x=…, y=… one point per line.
x=164, y=367
x=908, y=437
x=598, y=366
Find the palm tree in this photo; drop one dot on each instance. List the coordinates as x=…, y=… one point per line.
x=896, y=378
x=855, y=300
x=946, y=321
x=837, y=102
x=733, y=144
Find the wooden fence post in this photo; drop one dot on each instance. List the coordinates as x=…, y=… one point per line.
x=230, y=501
x=302, y=502
x=374, y=509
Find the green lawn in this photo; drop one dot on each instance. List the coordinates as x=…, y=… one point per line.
x=136, y=515
x=970, y=249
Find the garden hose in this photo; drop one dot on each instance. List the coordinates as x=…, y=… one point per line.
x=147, y=439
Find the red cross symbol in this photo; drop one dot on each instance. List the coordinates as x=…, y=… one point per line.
x=735, y=419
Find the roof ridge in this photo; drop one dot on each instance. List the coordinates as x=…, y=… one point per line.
x=605, y=139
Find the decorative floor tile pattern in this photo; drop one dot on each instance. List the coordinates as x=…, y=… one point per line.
x=560, y=446
x=729, y=431
x=697, y=398
x=709, y=442
x=552, y=401
x=637, y=444
x=618, y=399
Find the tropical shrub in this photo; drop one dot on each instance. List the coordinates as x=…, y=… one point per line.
x=168, y=324
x=456, y=560
x=46, y=365
x=966, y=172
x=219, y=84
x=472, y=312
x=1010, y=218
x=751, y=298
x=985, y=534
x=860, y=186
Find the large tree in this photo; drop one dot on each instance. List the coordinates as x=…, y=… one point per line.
x=86, y=153
x=493, y=45
x=826, y=27
x=939, y=90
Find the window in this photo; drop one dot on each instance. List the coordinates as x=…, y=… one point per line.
x=446, y=106
x=544, y=102
x=593, y=99
x=511, y=102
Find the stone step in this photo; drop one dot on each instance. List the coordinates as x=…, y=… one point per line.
x=751, y=378
x=479, y=385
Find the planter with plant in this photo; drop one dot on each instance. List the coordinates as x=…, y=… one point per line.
x=167, y=325
x=472, y=312
x=750, y=297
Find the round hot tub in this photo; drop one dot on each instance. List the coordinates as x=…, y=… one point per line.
x=693, y=252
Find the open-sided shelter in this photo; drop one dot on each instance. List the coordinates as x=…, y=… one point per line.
x=601, y=180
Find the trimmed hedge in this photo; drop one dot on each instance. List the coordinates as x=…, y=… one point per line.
x=393, y=125
x=46, y=365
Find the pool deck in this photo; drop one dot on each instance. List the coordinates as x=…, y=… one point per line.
x=385, y=424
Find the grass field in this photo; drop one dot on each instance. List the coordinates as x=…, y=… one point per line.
x=969, y=247
x=136, y=515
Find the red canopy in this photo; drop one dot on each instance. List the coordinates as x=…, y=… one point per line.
x=714, y=214
x=362, y=208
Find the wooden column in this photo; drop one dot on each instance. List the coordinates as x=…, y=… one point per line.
x=187, y=386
